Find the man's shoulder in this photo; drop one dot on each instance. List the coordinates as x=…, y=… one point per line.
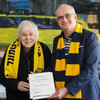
x=89, y=35
x=88, y=32
x=57, y=37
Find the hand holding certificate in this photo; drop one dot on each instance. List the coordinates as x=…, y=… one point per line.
x=41, y=85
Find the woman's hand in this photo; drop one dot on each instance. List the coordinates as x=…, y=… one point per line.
x=30, y=73
x=59, y=94
x=23, y=86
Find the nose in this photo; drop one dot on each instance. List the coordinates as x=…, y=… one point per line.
x=27, y=37
x=64, y=19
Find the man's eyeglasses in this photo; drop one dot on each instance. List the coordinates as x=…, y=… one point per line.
x=66, y=16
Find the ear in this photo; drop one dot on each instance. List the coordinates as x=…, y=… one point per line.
x=75, y=16
x=35, y=37
x=19, y=37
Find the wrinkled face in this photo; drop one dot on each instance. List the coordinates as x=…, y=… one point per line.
x=27, y=38
x=66, y=18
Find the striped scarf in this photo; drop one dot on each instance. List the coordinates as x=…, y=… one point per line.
x=66, y=70
x=13, y=57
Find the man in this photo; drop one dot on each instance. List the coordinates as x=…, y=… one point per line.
x=75, y=59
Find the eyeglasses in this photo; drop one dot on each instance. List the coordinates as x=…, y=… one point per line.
x=66, y=16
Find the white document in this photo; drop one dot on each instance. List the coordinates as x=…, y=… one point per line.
x=41, y=85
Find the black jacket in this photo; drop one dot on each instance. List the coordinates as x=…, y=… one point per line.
x=25, y=65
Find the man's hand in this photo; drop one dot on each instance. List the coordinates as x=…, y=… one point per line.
x=59, y=94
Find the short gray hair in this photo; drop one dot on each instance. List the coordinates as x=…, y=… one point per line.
x=25, y=25
x=66, y=5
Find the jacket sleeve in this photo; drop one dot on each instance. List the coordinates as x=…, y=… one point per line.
x=89, y=60
x=7, y=82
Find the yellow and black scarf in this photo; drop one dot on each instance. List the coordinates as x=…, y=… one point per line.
x=13, y=57
x=64, y=71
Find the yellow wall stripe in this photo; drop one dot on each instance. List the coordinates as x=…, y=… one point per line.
x=2, y=15
x=37, y=16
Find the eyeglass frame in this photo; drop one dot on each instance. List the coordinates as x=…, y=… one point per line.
x=66, y=16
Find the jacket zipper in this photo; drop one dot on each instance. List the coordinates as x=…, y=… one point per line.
x=28, y=63
x=28, y=66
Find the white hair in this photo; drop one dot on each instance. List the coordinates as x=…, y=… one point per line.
x=66, y=5
x=25, y=25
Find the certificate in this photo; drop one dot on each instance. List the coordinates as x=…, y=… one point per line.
x=41, y=85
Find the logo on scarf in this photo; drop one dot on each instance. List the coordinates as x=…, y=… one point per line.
x=39, y=70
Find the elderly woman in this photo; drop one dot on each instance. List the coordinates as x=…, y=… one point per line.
x=24, y=56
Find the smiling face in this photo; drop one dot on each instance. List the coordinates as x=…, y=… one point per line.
x=66, y=17
x=27, y=36
x=27, y=39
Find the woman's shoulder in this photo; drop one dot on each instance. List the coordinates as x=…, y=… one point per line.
x=45, y=48
x=43, y=45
